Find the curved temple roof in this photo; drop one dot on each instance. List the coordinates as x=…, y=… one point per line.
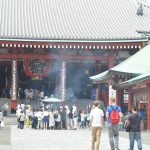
x=135, y=80
x=137, y=64
x=72, y=20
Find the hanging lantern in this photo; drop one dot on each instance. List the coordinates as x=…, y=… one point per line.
x=36, y=67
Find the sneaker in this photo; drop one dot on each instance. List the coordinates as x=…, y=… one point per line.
x=117, y=148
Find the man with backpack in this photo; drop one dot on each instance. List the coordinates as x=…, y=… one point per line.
x=113, y=115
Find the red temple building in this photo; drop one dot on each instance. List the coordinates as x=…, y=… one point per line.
x=130, y=83
x=58, y=45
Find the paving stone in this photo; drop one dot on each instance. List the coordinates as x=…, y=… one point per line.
x=29, y=139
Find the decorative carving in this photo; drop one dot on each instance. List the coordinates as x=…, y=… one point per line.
x=87, y=52
x=140, y=96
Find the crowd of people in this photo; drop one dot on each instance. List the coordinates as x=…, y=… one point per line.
x=64, y=117
x=67, y=118
x=70, y=118
x=31, y=94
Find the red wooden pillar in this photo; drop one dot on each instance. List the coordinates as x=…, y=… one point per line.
x=98, y=84
x=111, y=62
x=98, y=95
x=118, y=96
x=130, y=100
x=148, y=110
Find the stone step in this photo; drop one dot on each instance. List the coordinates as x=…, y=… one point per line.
x=3, y=101
x=10, y=123
x=10, y=120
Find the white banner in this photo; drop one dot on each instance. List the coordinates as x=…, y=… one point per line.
x=63, y=81
x=14, y=80
x=112, y=92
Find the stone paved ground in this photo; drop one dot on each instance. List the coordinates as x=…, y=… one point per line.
x=28, y=139
x=5, y=138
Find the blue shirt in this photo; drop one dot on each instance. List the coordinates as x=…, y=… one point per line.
x=109, y=110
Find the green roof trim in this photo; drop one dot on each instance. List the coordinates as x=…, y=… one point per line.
x=135, y=80
x=136, y=65
x=100, y=77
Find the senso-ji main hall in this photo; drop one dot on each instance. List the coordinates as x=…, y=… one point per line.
x=59, y=44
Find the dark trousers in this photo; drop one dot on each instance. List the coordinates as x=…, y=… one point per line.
x=63, y=124
x=135, y=136
x=21, y=124
x=57, y=125
x=113, y=132
x=34, y=122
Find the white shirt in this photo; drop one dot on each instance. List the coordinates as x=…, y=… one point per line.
x=40, y=115
x=96, y=116
x=42, y=94
x=22, y=106
x=58, y=119
x=74, y=108
x=83, y=116
x=46, y=113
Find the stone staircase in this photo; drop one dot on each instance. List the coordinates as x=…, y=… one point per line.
x=11, y=120
x=80, y=103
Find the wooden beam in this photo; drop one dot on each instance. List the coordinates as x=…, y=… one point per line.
x=44, y=56
x=72, y=43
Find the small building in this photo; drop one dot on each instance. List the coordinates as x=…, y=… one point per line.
x=134, y=91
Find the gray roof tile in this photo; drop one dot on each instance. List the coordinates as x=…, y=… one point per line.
x=72, y=19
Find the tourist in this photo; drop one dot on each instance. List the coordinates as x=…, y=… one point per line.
x=75, y=120
x=70, y=116
x=89, y=106
x=28, y=117
x=96, y=121
x=22, y=119
x=34, y=119
x=83, y=117
x=40, y=119
x=42, y=95
x=113, y=128
x=88, y=118
x=74, y=108
x=135, y=130
x=22, y=106
x=57, y=119
x=46, y=118
x=18, y=113
x=51, y=119
x=1, y=117
x=63, y=118
x=79, y=119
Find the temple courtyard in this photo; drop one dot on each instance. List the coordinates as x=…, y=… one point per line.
x=29, y=139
